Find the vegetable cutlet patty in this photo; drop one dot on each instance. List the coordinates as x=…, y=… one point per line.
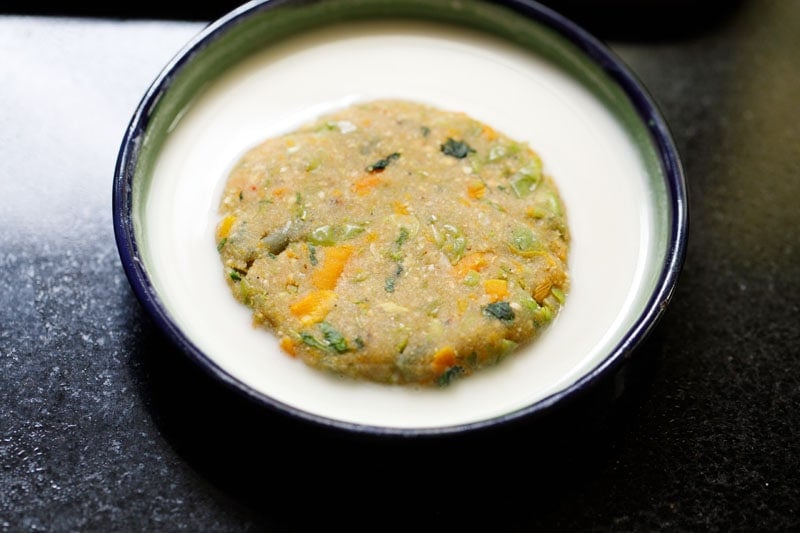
x=395, y=242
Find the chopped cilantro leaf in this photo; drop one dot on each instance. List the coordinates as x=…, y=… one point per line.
x=449, y=375
x=499, y=310
x=381, y=164
x=312, y=254
x=332, y=340
x=457, y=149
x=332, y=336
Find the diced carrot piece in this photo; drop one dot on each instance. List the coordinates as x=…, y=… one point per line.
x=443, y=359
x=541, y=290
x=400, y=208
x=476, y=261
x=560, y=249
x=280, y=192
x=224, y=228
x=497, y=289
x=489, y=133
x=364, y=185
x=314, y=306
x=288, y=345
x=476, y=190
x=327, y=275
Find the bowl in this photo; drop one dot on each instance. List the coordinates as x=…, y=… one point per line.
x=269, y=66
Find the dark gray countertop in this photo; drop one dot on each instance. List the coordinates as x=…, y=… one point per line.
x=104, y=427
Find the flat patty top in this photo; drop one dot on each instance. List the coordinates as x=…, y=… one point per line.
x=395, y=242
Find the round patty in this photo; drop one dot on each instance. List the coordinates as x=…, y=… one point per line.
x=395, y=242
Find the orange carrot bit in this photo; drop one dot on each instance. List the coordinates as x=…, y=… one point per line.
x=288, y=345
x=497, y=289
x=560, y=249
x=476, y=190
x=327, y=275
x=400, y=208
x=443, y=359
x=364, y=185
x=476, y=261
x=314, y=306
x=224, y=228
x=371, y=237
x=489, y=133
x=541, y=290
x=280, y=192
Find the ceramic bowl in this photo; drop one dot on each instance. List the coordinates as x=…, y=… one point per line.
x=269, y=66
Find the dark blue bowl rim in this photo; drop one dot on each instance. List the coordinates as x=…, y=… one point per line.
x=592, y=47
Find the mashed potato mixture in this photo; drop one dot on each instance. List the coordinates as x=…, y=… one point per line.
x=395, y=242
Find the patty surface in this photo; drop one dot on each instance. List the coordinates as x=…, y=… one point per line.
x=395, y=242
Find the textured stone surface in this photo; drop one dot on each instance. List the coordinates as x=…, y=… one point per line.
x=103, y=426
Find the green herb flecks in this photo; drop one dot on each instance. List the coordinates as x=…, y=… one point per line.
x=402, y=237
x=381, y=164
x=396, y=252
x=500, y=310
x=449, y=375
x=312, y=255
x=221, y=244
x=457, y=149
x=332, y=340
x=235, y=276
x=299, y=209
x=425, y=131
x=390, y=282
x=312, y=341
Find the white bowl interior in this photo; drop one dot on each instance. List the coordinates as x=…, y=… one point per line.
x=600, y=167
